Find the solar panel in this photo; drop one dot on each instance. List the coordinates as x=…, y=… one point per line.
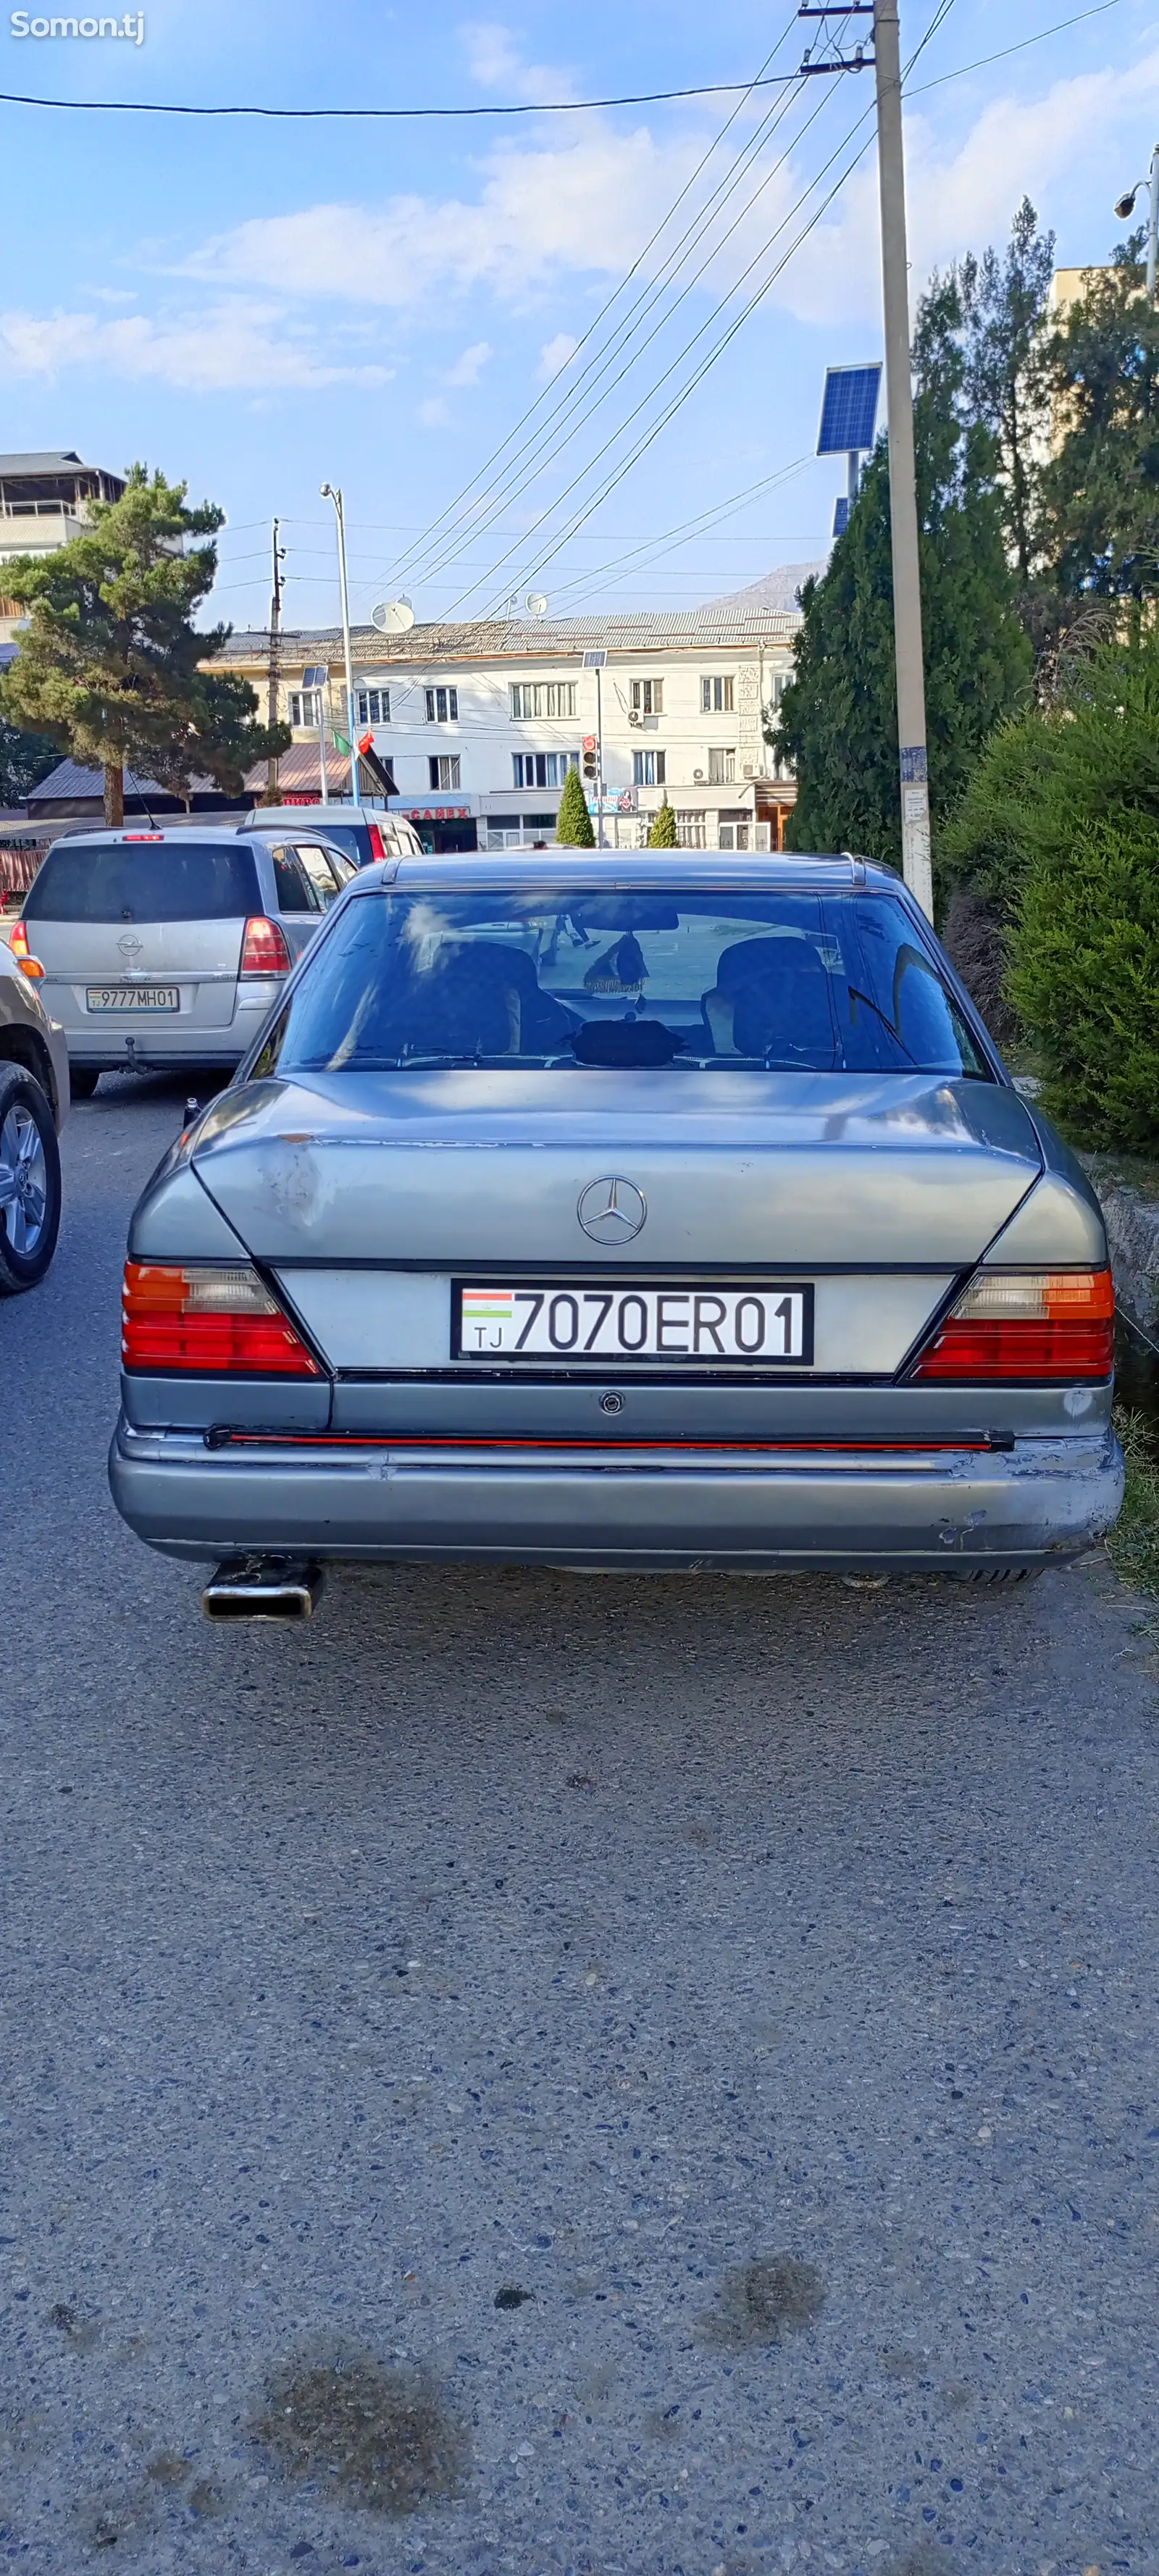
x=849, y=410
x=841, y=516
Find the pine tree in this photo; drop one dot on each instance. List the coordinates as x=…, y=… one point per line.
x=838, y=719
x=1003, y=302
x=663, y=832
x=25, y=758
x=573, y=829
x=1100, y=490
x=110, y=666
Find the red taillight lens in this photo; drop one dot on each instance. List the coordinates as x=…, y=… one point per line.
x=377, y=844
x=1027, y=1324
x=264, y=950
x=219, y=1321
x=18, y=940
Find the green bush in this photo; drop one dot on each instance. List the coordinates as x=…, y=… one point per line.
x=1084, y=978
x=984, y=846
x=663, y=832
x=573, y=826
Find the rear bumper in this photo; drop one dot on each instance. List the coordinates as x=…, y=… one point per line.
x=940, y=1512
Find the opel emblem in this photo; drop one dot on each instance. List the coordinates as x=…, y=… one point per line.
x=129, y=946
x=612, y=1211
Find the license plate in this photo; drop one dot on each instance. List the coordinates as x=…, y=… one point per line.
x=133, y=997
x=769, y=1325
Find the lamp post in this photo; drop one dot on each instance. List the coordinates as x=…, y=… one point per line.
x=329, y=493
x=1125, y=208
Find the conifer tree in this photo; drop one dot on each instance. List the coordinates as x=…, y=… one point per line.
x=573, y=829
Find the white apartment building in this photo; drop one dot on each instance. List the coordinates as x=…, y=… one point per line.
x=477, y=725
x=44, y=501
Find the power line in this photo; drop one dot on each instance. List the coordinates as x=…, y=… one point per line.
x=524, y=107
x=647, y=439
x=540, y=451
x=521, y=107
x=462, y=499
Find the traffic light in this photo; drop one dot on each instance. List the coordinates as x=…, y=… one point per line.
x=589, y=755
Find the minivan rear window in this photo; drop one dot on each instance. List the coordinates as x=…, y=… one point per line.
x=145, y=881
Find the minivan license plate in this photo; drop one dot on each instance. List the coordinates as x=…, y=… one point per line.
x=771, y=1323
x=133, y=997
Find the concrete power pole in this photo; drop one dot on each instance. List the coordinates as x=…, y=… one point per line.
x=271, y=794
x=903, y=510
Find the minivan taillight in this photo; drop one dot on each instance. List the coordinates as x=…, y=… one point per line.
x=1026, y=1324
x=377, y=844
x=264, y=950
x=221, y=1321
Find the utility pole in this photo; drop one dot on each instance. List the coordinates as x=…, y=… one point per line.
x=271, y=794
x=903, y=511
x=903, y=507
x=330, y=493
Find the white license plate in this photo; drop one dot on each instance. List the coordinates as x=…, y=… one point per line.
x=133, y=997
x=707, y=1326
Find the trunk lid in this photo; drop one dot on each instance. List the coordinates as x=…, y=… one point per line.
x=447, y=1170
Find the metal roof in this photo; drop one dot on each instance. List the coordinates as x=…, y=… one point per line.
x=528, y=639
x=53, y=461
x=69, y=779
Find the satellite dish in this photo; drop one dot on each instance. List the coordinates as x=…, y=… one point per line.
x=536, y=604
x=392, y=616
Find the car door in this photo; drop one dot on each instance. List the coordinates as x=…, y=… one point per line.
x=300, y=906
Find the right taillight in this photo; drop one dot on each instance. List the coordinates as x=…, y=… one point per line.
x=1027, y=1324
x=377, y=844
x=218, y=1320
x=264, y=950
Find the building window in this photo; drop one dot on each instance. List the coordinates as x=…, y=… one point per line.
x=716, y=696
x=542, y=768
x=689, y=828
x=779, y=687
x=374, y=706
x=721, y=767
x=305, y=710
x=442, y=706
x=445, y=769
x=648, y=768
x=648, y=697
x=541, y=698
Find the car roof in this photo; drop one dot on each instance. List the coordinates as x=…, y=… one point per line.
x=617, y=871
x=226, y=833
x=307, y=816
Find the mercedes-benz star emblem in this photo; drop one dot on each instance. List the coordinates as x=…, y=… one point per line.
x=129, y=946
x=612, y=1211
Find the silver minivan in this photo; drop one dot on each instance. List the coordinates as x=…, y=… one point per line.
x=162, y=950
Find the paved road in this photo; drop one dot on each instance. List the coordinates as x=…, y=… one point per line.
x=657, y=2076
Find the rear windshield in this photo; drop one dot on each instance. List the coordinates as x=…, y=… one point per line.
x=795, y=982
x=354, y=838
x=145, y=881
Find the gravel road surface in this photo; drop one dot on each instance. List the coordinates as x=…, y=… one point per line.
x=538, y=2073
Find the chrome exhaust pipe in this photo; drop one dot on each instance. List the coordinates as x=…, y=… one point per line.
x=262, y=1587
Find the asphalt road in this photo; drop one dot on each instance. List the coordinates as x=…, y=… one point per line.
x=547, y=2073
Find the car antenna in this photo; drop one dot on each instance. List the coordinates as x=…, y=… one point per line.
x=137, y=786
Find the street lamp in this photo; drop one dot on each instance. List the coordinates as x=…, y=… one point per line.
x=330, y=494
x=1125, y=208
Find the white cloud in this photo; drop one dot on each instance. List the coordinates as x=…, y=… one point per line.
x=555, y=354
x=539, y=216
x=232, y=345
x=965, y=196
x=434, y=413
x=468, y=369
x=493, y=61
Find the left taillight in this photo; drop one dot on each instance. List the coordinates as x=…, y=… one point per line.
x=263, y=949
x=1026, y=1324
x=223, y=1322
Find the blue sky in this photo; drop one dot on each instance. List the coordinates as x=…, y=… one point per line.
x=260, y=307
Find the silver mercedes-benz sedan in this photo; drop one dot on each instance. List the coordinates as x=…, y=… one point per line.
x=615, y=1211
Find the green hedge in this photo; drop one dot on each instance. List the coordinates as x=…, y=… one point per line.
x=1084, y=978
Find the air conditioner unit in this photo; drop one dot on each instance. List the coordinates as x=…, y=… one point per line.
x=698, y=775
x=748, y=771
x=633, y=715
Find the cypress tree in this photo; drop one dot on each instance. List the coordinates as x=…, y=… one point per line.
x=573, y=829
